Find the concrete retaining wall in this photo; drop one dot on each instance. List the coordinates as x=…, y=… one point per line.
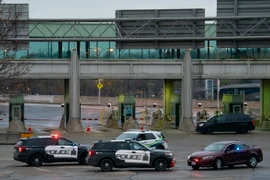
x=9, y=138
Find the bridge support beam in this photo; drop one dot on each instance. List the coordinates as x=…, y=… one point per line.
x=74, y=123
x=265, y=100
x=187, y=123
x=167, y=95
x=66, y=100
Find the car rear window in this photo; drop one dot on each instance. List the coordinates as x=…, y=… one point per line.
x=149, y=136
x=120, y=146
x=19, y=143
x=102, y=146
x=160, y=135
x=125, y=136
x=31, y=142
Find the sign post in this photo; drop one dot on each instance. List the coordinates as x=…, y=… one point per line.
x=99, y=86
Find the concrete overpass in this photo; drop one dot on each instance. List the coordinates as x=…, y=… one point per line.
x=150, y=69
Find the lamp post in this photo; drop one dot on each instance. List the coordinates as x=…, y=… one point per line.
x=5, y=53
x=98, y=93
x=218, y=86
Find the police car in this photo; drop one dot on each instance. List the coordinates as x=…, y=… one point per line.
x=46, y=149
x=151, y=139
x=128, y=154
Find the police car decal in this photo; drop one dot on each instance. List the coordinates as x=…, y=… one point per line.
x=137, y=157
x=155, y=143
x=62, y=151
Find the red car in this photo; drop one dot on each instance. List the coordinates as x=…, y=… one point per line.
x=226, y=153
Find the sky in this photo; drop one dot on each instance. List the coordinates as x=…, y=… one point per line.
x=48, y=9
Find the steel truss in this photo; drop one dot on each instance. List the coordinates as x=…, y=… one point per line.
x=83, y=33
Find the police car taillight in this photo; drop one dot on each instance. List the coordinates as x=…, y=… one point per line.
x=22, y=148
x=166, y=140
x=91, y=152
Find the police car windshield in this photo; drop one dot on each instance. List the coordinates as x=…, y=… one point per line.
x=125, y=136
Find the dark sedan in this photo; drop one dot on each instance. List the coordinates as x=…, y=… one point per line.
x=226, y=153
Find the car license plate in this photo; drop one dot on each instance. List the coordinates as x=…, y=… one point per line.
x=193, y=163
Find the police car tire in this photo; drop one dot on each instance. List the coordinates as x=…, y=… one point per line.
x=106, y=164
x=82, y=160
x=161, y=164
x=36, y=160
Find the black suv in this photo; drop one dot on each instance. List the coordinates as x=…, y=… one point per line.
x=128, y=154
x=36, y=150
x=240, y=123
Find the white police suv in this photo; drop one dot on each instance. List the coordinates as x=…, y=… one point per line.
x=151, y=139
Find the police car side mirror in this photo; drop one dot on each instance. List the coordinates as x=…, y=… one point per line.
x=113, y=138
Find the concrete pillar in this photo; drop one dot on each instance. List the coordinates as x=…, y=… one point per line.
x=74, y=122
x=187, y=123
x=167, y=94
x=265, y=98
x=66, y=100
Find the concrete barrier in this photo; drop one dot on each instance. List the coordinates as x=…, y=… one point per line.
x=9, y=138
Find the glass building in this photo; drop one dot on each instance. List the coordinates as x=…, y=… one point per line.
x=107, y=50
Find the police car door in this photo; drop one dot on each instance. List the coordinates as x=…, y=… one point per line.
x=137, y=154
x=64, y=149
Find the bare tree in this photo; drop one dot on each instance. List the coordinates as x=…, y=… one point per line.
x=10, y=67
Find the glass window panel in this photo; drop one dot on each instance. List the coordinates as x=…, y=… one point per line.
x=135, y=54
x=146, y=53
x=39, y=49
x=83, y=50
x=66, y=50
x=93, y=50
x=103, y=50
x=124, y=54
x=21, y=54
x=53, y=51
x=154, y=53
x=113, y=51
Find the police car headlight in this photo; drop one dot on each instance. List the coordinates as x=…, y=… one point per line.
x=207, y=157
x=201, y=125
x=188, y=157
x=169, y=154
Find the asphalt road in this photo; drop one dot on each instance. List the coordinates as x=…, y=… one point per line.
x=182, y=144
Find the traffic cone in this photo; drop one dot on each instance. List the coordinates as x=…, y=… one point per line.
x=88, y=129
x=141, y=127
x=29, y=128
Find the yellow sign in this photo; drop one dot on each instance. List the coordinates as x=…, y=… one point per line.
x=99, y=86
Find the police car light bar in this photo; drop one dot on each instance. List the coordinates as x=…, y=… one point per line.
x=55, y=136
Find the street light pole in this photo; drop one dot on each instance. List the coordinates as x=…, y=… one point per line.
x=99, y=93
x=218, y=86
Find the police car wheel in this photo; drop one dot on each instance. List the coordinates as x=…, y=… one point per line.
x=106, y=165
x=36, y=160
x=161, y=164
x=82, y=160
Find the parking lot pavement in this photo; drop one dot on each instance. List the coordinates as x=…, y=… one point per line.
x=182, y=144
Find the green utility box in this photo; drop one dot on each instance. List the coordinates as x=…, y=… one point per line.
x=16, y=108
x=232, y=103
x=126, y=107
x=176, y=110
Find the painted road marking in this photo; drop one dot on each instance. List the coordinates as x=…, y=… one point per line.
x=44, y=170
